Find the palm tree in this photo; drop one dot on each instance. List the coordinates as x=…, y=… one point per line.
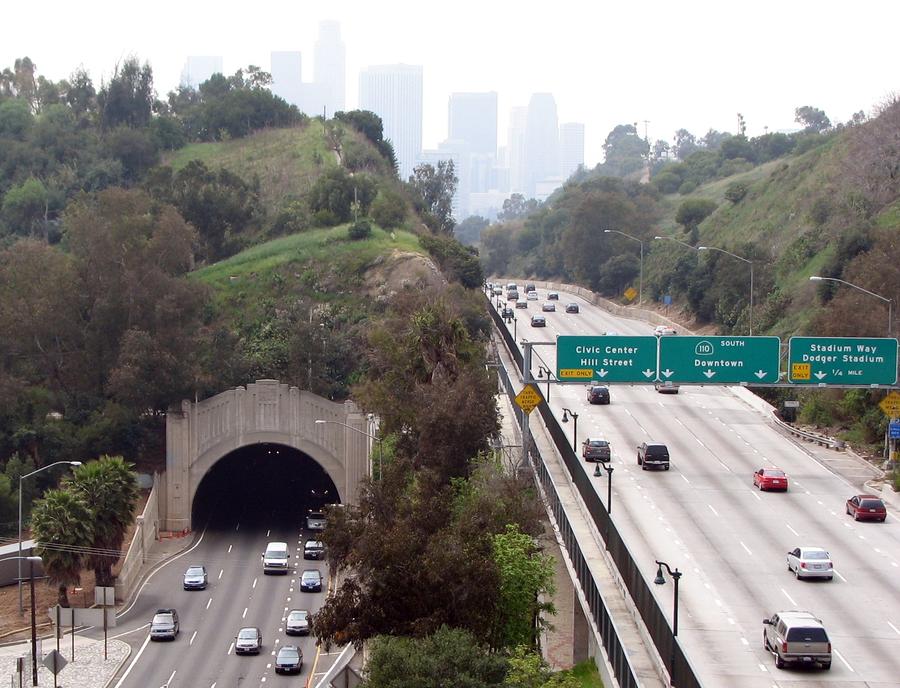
x=62, y=524
x=109, y=487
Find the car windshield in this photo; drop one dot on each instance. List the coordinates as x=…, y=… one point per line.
x=814, y=554
x=311, y=575
x=298, y=616
x=288, y=653
x=163, y=619
x=598, y=443
x=247, y=634
x=194, y=571
x=774, y=473
x=279, y=554
x=871, y=504
x=807, y=635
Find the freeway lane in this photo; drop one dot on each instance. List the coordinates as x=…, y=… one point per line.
x=238, y=595
x=730, y=540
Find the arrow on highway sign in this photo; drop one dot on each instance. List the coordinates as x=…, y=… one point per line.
x=709, y=374
x=649, y=373
x=667, y=373
x=820, y=375
x=602, y=372
x=760, y=374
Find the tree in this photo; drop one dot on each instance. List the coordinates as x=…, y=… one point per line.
x=813, y=119
x=693, y=211
x=624, y=151
x=434, y=188
x=25, y=207
x=448, y=657
x=526, y=669
x=685, y=144
x=335, y=191
x=388, y=209
x=15, y=119
x=136, y=149
x=128, y=98
x=516, y=206
x=108, y=487
x=525, y=575
x=469, y=230
x=63, y=526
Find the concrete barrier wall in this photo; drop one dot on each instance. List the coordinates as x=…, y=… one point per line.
x=146, y=534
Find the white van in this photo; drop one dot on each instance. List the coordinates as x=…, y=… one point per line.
x=275, y=558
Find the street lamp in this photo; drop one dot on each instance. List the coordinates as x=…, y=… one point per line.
x=677, y=241
x=609, y=471
x=541, y=371
x=361, y=432
x=890, y=302
x=514, y=321
x=21, y=478
x=565, y=419
x=660, y=580
x=749, y=262
x=641, y=282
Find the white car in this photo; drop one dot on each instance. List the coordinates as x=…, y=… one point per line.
x=663, y=331
x=532, y=296
x=810, y=562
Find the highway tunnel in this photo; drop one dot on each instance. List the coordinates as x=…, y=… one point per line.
x=262, y=483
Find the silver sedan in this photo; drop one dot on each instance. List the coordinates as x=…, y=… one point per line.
x=810, y=562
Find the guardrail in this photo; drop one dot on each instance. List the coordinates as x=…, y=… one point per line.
x=680, y=670
x=821, y=440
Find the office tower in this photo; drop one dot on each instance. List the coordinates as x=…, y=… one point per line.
x=198, y=68
x=541, y=142
x=394, y=93
x=571, y=148
x=473, y=119
x=330, y=68
x=515, y=148
x=287, y=76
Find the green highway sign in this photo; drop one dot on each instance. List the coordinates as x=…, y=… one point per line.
x=719, y=360
x=842, y=361
x=613, y=358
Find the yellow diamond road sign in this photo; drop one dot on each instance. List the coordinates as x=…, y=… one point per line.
x=528, y=398
x=891, y=405
x=630, y=293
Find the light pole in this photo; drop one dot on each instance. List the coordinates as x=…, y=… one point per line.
x=541, y=371
x=565, y=419
x=890, y=302
x=641, y=281
x=660, y=580
x=749, y=262
x=361, y=432
x=609, y=471
x=677, y=241
x=21, y=478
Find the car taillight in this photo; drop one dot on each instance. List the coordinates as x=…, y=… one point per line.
x=830, y=565
x=784, y=646
x=829, y=647
x=802, y=564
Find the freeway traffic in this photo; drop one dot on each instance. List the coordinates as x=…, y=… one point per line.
x=705, y=516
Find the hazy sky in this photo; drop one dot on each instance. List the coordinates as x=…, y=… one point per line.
x=692, y=64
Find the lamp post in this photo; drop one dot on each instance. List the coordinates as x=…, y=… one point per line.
x=512, y=320
x=749, y=262
x=361, y=432
x=21, y=478
x=890, y=302
x=641, y=280
x=609, y=471
x=565, y=419
x=677, y=241
x=660, y=580
x=541, y=371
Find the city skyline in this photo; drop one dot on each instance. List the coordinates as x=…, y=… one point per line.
x=676, y=66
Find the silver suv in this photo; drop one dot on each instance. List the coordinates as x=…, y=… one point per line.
x=796, y=637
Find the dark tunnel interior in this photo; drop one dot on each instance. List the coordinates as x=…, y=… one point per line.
x=262, y=483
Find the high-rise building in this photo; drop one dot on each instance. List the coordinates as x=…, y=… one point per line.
x=330, y=68
x=473, y=119
x=394, y=93
x=571, y=148
x=287, y=76
x=541, y=141
x=515, y=148
x=198, y=68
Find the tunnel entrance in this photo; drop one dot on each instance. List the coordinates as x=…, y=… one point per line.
x=262, y=483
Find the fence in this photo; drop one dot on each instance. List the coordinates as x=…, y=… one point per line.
x=145, y=535
x=680, y=670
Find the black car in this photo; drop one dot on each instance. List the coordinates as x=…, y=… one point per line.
x=538, y=321
x=289, y=660
x=314, y=549
x=507, y=312
x=553, y=296
x=521, y=304
x=311, y=581
x=598, y=394
x=529, y=287
x=653, y=455
x=571, y=308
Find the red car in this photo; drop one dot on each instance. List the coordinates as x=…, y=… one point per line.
x=770, y=479
x=866, y=507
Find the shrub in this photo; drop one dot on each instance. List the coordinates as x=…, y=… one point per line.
x=388, y=209
x=687, y=186
x=361, y=229
x=325, y=218
x=667, y=182
x=820, y=211
x=736, y=192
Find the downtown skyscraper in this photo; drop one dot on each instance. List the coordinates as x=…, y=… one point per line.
x=330, y=68
x=394, y=93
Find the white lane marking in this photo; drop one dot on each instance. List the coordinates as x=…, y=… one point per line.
x=713, y=510
x=229, y=548
x=792, y=530
x=268, y=532
x=758, y=498
x=244, y=615
x=254, y=583
x=237, y=526
x=896, y=630
x=221, y=571
x=744, y=641
x=762, y=667
x=194, y=635
x=134, y=661
x=839, y=575
x=746, y=549
x=790, y=599
x=841, y=657
x=230, y=648
x=171, y=677
x=139, y=628
x=159, y=568
x=685, y=479
x=208, y=602
x=213, y=685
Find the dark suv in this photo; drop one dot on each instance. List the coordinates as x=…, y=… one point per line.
x=653, y=455
x=598, y=394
